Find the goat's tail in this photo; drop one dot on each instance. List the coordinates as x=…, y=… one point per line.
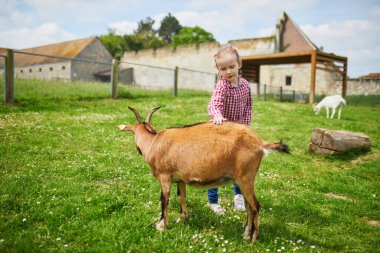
x=278, y=146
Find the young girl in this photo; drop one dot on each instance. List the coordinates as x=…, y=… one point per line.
x=232, y=101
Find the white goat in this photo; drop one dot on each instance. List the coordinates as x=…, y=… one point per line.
x=203, y=155
x=333, y=102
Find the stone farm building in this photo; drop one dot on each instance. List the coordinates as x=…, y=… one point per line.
x=80, y=59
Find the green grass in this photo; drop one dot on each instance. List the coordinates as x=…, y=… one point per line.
x=70, y=181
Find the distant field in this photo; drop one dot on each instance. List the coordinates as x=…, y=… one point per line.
x=70, y=181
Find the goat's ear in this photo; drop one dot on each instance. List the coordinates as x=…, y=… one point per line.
x=125, y=128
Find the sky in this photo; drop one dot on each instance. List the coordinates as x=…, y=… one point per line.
x=348, y=28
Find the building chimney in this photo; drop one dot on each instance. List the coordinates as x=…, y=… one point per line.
x=278, y=34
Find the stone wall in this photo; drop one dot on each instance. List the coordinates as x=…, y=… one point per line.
x=327, y=82
x=363, y=87
x=48, y=71
x=155, y=68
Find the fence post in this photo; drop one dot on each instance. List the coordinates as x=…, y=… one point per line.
x=258, y=89
x=265, y=92
x=114, y=77
x=281, y=94
x=294, y=96
x=9, y=77
x=175, y=81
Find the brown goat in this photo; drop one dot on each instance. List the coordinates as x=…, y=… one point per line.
x=203, y=155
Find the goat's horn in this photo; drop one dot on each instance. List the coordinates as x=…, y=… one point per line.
x=147, y=120
x=138, y=117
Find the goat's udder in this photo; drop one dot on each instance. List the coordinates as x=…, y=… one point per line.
x=196, y=182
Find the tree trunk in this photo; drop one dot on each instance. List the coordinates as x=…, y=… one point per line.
x=324, y=141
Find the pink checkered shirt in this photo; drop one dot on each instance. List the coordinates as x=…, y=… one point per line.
x=232, y=103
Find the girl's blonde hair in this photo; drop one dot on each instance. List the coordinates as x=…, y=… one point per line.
x=227, y=49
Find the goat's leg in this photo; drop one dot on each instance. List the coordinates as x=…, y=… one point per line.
x=340, y=111
x=333, y=112
x=165, y=193
x=327, y=112
x=252, y=229
x=181, y=192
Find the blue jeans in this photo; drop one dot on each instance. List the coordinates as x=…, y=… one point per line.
x=212, y=194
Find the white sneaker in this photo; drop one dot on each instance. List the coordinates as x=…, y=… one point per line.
x=216, y=208
x=239, y=203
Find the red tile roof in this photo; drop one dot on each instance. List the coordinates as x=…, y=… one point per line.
x=67, y=49
x=372, y=76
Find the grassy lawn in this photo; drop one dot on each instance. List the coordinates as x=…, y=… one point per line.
x=70, y=181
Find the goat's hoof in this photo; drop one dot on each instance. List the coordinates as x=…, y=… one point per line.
x=184, y=216
x=246, y=234
x=160, y=226
x=248, y=238
x=245, y=237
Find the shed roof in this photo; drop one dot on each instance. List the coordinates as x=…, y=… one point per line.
x=372, y=76
x=52, y=53
x=68, y=49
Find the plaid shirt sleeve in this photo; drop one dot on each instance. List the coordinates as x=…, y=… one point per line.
x=247, y=113
x=215, y=107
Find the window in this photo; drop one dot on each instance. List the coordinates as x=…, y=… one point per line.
x=30, y=70
x=288, y=80
x=21, y=71
x=40, y=69
x=63, y=67
x=51, y=68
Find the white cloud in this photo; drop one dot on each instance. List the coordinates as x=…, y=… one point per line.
x=265, y=32
x=375, y=11
x=356, y=39
x=29, y=37
x=123, y=27
x=21, y=18
x=237, y=19
x=349, y=33
x=79, y=11
x=212, y=22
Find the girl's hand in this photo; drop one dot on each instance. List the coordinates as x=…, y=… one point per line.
x=218, y=120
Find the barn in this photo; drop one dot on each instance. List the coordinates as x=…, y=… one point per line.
x=71, y=60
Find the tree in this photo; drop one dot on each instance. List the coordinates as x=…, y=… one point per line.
x=133, y=42
x=114, y=43
x=170, y=26
x=191, y=35
x=144, y=36
x=145, y=26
